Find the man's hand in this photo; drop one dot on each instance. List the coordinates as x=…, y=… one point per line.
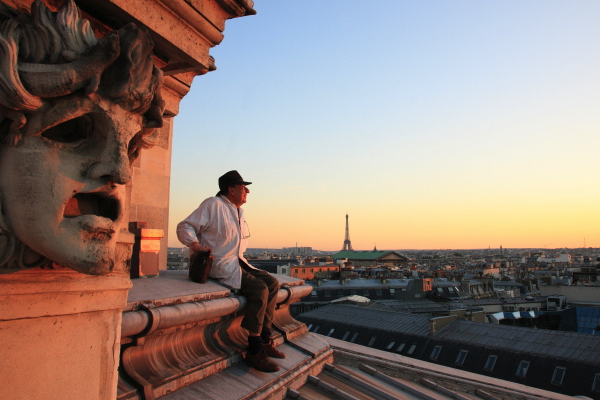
x=196, y=247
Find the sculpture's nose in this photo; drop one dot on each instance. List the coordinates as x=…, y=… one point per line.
x=113, y=165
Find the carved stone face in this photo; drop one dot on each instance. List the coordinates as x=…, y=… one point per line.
x=63, y=184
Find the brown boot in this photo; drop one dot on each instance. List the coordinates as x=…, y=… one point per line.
x=261, y=362
x=271, y=351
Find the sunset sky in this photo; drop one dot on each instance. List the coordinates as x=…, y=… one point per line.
x=435, y=125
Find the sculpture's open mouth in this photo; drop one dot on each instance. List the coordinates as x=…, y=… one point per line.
x=92, y=204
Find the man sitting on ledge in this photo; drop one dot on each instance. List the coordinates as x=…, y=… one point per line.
x=218, y=226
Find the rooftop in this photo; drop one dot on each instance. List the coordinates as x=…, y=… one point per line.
x=365, y=255
x=362, y=283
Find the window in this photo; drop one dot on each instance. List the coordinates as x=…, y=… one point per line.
x=558, y=376
x=436, y=352
x=303, y=270
x=311, y=270
x=365, y=292
x=314, y=293
x=340, y=292
x=596, y=384
x=490, y=363
x=411, y=349
x=327, y=293
x=352, y=292
x=522, y=370
x=378, y=292
x=373, y=339
x=389, y=346
x=346, y=335
x=331, y=331
x=354, y=338
x=460, y=360
x=317, y=328
x=401, y=347
x=392, y=291
x=309, y=326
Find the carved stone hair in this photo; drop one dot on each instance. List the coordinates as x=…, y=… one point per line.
x=46, y=55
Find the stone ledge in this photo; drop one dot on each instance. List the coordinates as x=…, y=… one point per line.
x=177, y=332
x=174, y=287
x=50, y=292
x=238, y=381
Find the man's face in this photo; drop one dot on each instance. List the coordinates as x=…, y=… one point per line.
x=238, y=194
x=62, y=185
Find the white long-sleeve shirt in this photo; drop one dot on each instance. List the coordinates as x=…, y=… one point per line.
x=220, y=225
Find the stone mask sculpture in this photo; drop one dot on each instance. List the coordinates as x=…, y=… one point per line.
x=74, y=113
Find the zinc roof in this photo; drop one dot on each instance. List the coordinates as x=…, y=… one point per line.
x=422, y=306
x=362, y=283
x=495, y=300
x=507, y=283
x=539, y=342
x=369, y=318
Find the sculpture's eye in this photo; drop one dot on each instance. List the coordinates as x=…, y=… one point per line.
x=72, y=132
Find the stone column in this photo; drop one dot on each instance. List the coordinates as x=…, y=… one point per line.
x=60, y=332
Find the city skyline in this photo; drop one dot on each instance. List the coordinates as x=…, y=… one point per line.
x=434, y=125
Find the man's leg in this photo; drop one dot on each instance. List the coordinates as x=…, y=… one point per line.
x=272, y=285
x=257, y=297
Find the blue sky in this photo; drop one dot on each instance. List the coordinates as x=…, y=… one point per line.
x=435, y=124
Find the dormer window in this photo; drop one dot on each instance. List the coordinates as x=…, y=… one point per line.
x=490, y=363
x=411, y=349
x=522, y=370
x=435, y=353
x=596, y=384
x=460, y=360
x=558, y=376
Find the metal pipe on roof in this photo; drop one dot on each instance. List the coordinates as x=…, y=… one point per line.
x=152, y=318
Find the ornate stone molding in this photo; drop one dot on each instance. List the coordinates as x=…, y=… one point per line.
x=166, y=348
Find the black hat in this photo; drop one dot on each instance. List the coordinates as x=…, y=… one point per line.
x=230, y=179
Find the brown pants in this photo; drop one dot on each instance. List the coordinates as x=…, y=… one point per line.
x=260, y=289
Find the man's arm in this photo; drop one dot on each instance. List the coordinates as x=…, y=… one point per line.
x=197, y=247
x=189, y=229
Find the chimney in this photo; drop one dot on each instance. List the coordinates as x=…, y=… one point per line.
x=439, y=323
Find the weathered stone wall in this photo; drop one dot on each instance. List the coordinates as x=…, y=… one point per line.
x=150, y=190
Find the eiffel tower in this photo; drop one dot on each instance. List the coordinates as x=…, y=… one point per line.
x=347, y=244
